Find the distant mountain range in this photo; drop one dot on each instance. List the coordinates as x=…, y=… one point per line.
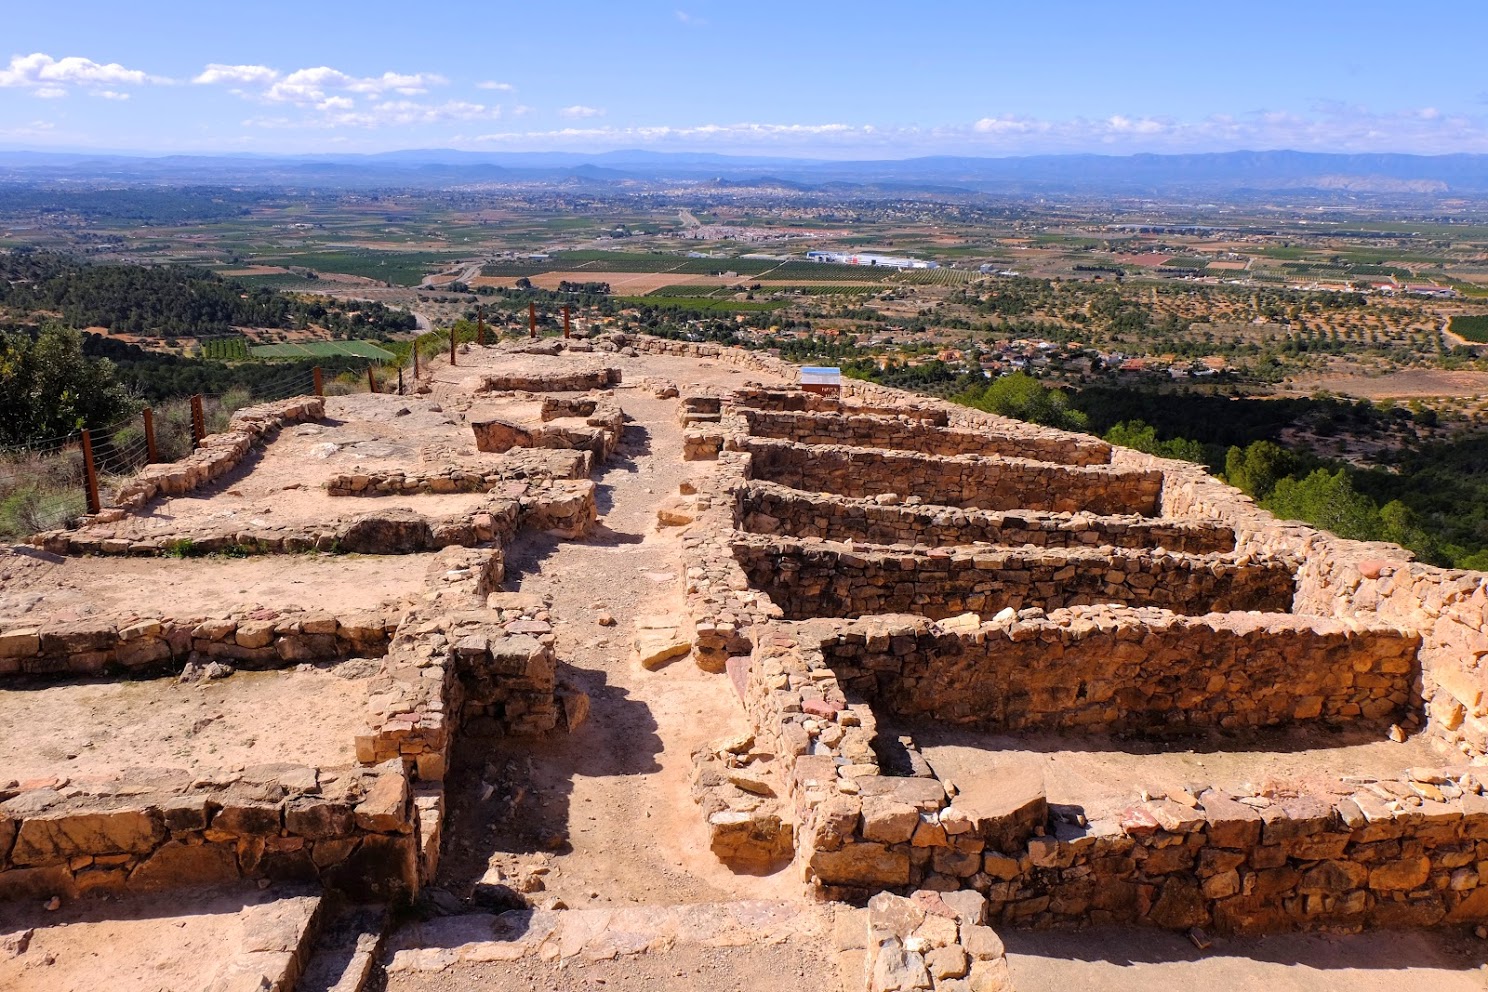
x=1129, y=174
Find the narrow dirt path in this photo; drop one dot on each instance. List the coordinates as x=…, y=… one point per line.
x=604, y=815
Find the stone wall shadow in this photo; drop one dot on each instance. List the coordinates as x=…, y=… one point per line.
x=512, y=794
x=1376, y=950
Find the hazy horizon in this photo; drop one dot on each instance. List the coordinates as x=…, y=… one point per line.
x=957, y=78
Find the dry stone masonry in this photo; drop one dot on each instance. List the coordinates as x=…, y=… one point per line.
x=926, y=616
x=852, y=508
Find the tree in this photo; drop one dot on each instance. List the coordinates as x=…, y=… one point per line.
x=1023, y=397
x=1257, y=468
x=49, y=388
x=1142, y=436
x=1327, y=500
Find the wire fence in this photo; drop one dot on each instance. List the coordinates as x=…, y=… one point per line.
x=45, y=484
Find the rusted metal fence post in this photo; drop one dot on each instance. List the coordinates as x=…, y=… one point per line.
x=565, y=321
x=152, y=454
x=94, y=504
x=415, y=359
x=531, y=319
x=371, y=381
x=319, y=382
x=452, y=344
x=400, y=380
x=198, y=422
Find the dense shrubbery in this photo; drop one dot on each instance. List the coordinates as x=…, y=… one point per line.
x=49, y=388
x=1022, y=396
x=173, y=300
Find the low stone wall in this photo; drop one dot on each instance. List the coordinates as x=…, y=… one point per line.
x=933, y=940
x=218, y=453
x=565, y=507
x=1391, y=853
x=469, y=652
x=515, y=467
x=596, y=431
x=394, y=531
x=807, y=579
x=1094, y=670
x=133, y=644
x=964, y=480
x=722, y=606
x=772, y=509
x=349, y=829
x=569, y=381
x=1371, y=582
x=915, y=434
x=797, y=400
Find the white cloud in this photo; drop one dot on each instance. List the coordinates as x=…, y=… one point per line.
x=50, y=78
x=1333, y=128
x=111, y=95
x=340, y=112
x=253, y=75
x=318, y=86
x=36, y=129
x=493, y=85
x=312, y=86
x=690, y=19
x=578, y=111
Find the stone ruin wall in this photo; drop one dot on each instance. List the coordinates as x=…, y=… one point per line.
x=140, y=645
x=1369, y=857
x=1114, y=671
x=348, y=828
x=807, y=579
x=998, y=484
x=913, y=434
x=1370, y=582
x=467, y=656
x=771, y=509
x=218, y=454
x=1398, y=852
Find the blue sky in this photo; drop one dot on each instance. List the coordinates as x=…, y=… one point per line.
x=836, y=80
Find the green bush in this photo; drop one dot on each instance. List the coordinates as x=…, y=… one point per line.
x=1142, y=436
x=1023, y=397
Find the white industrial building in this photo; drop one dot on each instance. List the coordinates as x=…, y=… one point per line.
x=870, y=258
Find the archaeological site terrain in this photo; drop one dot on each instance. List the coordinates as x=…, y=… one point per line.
x=630, y=661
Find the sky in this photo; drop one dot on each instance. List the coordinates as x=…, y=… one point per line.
x=837, y=79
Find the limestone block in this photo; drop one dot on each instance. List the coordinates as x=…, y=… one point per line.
x=56, y=835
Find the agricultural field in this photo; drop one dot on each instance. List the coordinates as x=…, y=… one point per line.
x=401, y=268
x=1471, y=327
x=322, y=349
x=225, y=349
x=705, y=303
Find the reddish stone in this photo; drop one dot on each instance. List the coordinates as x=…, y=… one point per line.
x=819, y=707
x=737, y=668
x=1138, y=821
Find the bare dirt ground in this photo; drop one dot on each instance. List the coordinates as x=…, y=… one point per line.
x=304, y=715
x=1405, y=384
x=803, y=964
x=41, y=588
x=1103, y=775
x=606, y=811
x=282, y=483
x=1114, y=960
x=168, y=943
